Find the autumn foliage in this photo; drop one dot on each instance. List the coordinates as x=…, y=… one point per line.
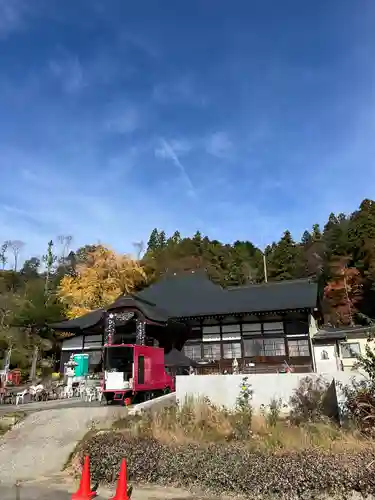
x=343, y=293
x=99, y=280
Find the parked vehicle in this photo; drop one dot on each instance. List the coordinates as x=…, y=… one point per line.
x=134, y=373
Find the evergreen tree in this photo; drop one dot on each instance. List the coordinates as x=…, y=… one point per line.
x=316, y=234
x=175, y=239
x=153, y=242
x=335, y=236
x=306, y=238
x=162, y=240
x=30, y=268
x=361, y=235
x=284, y=260
x=197, y=237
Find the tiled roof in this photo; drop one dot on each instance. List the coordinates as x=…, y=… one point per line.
x=342, y=332
x=148, y=309
x=81, y=323
x=193, y=294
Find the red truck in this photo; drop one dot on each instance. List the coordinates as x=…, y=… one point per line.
x=134, y=373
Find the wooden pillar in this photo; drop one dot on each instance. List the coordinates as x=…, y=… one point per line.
x=109, y=328
x=140, y=332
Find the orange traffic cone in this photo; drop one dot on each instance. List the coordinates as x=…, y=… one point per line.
x=122, y=492
x=84, y=491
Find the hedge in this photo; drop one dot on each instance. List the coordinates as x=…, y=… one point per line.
x=232, y=468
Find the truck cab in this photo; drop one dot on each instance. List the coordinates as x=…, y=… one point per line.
x=134, y=373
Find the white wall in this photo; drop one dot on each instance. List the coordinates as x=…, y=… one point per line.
x=326, y=359
x=76, y=343
x=223, y=390
x=72, y=343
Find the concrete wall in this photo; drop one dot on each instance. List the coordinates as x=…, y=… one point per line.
x=223, y=390
x=156, y=404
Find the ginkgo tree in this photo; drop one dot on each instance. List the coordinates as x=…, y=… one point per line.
x=99, y=280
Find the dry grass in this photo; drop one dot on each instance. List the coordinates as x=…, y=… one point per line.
x=200, y=422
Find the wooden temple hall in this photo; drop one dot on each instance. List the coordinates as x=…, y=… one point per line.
x=264, y=327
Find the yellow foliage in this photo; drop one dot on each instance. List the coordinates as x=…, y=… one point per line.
x=102, y=278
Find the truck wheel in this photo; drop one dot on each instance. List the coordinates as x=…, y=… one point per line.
x=167, y=390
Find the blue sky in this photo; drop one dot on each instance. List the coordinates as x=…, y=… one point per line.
x=240, y=119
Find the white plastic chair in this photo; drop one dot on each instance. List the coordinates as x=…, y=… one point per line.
x=90, y=394
x=82, y=390
x=21, y=396
x=68, y=393
x=99, y=394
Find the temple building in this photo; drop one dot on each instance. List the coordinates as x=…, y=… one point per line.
x=265, y=327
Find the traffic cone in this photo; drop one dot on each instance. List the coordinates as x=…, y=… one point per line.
x=84, y=491
x=122, y=492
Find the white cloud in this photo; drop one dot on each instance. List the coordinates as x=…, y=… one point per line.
x=218, y=144
x=12, y=16
x=42, y=199
x=125, y=120
x=167, y=152
x=68, y=70
x=88, y=218
x=141, y=42
x=182, y=146
x=182, y=89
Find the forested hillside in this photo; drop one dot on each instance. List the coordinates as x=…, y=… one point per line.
x=340, y=255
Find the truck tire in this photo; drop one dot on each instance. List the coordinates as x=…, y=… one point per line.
x=167, y=390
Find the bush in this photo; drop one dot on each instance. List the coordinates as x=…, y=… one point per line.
x=243, y=416
x=201, y=422
x=307, y=402
x=272, y=412
x=233, y=468
x=359, y=405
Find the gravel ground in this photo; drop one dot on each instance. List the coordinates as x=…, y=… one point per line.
x=42, y=443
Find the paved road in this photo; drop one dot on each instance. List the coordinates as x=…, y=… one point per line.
x=49, y=405
x=59, y=491
x=41, y=444
x=33, y=493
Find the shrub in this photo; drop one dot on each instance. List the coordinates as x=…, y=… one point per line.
x=201, y=422
x=359, y=405
x=231, y=468
x=271, y=412
x=307, y=401
x=243, y=415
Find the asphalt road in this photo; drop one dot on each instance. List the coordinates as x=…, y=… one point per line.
x=40, y=491
x=32, y=493
x=27, y=492
x=48, y=405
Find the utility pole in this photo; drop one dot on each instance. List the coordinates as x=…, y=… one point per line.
x=265, y=267
x=348, y=299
